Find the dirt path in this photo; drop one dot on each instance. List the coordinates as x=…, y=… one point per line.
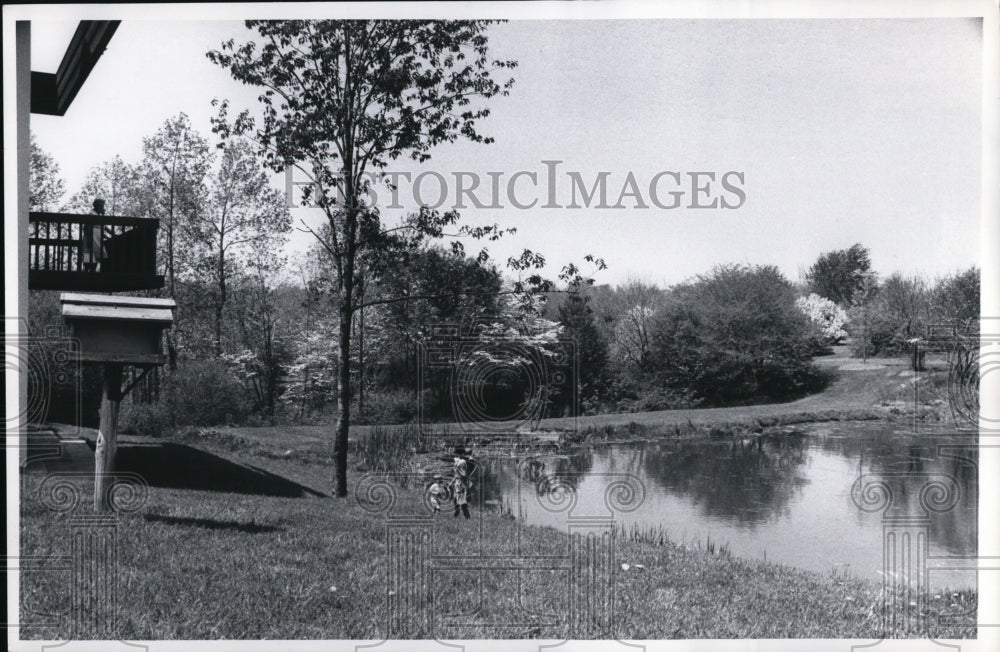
x=858, y=387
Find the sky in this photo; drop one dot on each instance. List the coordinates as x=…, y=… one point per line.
x=844, y=131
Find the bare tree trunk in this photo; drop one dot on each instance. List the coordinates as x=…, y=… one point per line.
x=344, y=396
x=272, y=370
x=361, y=353
x=171, y=351
x=171, y=348
x=350, y=245
x=220, y=306
x=864, y=353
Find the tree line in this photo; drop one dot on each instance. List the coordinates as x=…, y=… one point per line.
x=342, y=333
x=262, y=331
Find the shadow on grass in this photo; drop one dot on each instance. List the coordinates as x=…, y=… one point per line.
x=212, y=524
x=176, y=466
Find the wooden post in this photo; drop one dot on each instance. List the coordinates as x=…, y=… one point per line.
x=104, y=455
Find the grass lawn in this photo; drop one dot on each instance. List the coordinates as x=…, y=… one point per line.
x=237, y=539
x=206, y=564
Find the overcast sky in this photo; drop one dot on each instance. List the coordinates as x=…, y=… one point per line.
x=845, y=131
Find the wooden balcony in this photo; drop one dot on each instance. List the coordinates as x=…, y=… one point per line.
x=92, y=253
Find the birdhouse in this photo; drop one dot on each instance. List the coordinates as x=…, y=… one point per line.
x=118, y=329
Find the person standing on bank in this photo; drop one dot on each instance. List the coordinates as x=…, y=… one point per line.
x=461, y=484
x=460, y=491
x=461, y=467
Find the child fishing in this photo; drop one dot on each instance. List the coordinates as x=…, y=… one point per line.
x=461, y=483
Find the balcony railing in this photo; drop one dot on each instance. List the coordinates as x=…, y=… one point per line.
x=92, y=252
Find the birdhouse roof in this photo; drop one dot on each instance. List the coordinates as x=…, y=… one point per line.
x=77, y=306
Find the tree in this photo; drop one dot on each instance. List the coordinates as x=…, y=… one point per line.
x=579, y=325
x=176, y=162
x=348, y=97
x=119, y=184
x=899, y=311
x=267, y=333
x=443, y=286
x=45, y=186
x=243, y=216
x=907, y=301
x=635, y=305
x=956, y=299
x=826, y=316
x=733, y=336
x=837, y=275
x=511, y=348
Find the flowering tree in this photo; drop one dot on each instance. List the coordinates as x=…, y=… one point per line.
x=313, y=371
x=826, y=315
x=519, y=353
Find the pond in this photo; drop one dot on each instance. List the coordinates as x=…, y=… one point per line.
x=817, y=496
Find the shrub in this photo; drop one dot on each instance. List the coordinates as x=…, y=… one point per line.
x=877, y=334
x=827, y=317
x=386, y=407
x=144, y=419
x=198, y=393
x=204, y=393
x=735, y=336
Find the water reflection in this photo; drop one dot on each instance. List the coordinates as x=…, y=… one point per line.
x=542, y=474
x=748, y=482
x=786, y=495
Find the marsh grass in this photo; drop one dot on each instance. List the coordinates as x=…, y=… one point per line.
x=656, y=535
x=388, y=448
x=634, y=533
x=715, y=548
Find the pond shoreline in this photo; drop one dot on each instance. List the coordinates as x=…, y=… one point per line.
x=758, y=494
x=670, y=589
x=564, y=442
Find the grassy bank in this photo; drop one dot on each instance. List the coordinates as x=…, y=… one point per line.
x=209, y=563
x=237, y=539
